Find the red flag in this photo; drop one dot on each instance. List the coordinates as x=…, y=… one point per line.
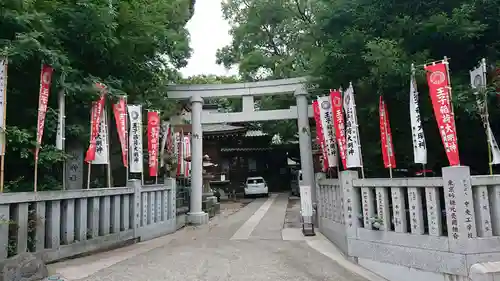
x=319, y=135
x=153, y=141
x=119, y=110
x=187, y=165
x=386, y=136
x=95, y=121
x=338, y=122
x=43, y=98
x=439, y=90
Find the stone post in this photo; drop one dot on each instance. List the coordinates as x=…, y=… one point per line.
x=459, y=206
x=196, y=215
x=136, y=211
x=306, y=159
x=352, y=207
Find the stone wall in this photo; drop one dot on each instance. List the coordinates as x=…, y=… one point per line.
x=432, y=228
x=59, y=224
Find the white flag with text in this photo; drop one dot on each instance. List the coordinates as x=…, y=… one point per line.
x=101, y=142
x=326, y=117
x=353, y=157
x=417, y=131
x=478, y=83
x=135, y=139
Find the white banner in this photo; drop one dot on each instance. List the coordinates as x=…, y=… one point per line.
x=135, y=139
x=326, y=117
x=60, y=122
x=3, y=94
x=478, y=83
x=417, y=131
x=495, y=151
x=101, y=142
x=164, y=134
x=353, y=157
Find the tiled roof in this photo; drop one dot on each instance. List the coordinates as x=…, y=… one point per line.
x=245, y=149
x=255, y=133
x=215, y=128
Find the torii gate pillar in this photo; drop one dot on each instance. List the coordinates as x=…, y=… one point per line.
x=196, y=215
x=306, y=159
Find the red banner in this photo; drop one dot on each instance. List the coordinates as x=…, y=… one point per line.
x=319, y=135
x=95, y=121
x=338, y=122
x=153, y=141
x=43, y=98
x=439, y=90
x=386, y=137
x=120, y=112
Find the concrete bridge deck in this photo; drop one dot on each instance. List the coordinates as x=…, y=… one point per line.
x=258, y=242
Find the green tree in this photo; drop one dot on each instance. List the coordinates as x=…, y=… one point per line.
x=372, y=44
x=134, y=47
x=225, y=104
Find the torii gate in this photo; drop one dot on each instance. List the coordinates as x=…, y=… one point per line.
x=247, y=91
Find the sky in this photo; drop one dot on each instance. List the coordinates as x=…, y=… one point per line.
x=209, y=32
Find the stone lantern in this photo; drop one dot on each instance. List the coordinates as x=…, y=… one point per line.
x=211, y=206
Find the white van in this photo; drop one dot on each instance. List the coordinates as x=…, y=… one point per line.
x=256, y=186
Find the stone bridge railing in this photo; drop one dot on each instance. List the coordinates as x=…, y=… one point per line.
x=60, y=224
x=432, y=228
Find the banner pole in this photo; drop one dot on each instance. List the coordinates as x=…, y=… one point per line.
x=36, y=175
x=487, y=116
x=88, y=174
x=4, y=134
x=106, y=123
x=447, y=65
x=2, y=170
x=126, y=138
x=142, y=136
x=158, y=128
x=63, y=133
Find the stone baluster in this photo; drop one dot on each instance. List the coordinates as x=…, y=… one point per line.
x=433, y=211
x=93, y=215
x=417, y=225
x=368, y=207
x=68, y=221
x=104, y=215
x=382, y=197
x=495, y=209
x=482, y=207
x=399, y=212
x=115, y=213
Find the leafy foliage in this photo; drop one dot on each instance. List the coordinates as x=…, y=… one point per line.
x=225, y=104
x=134, y=47
x=373, y=44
